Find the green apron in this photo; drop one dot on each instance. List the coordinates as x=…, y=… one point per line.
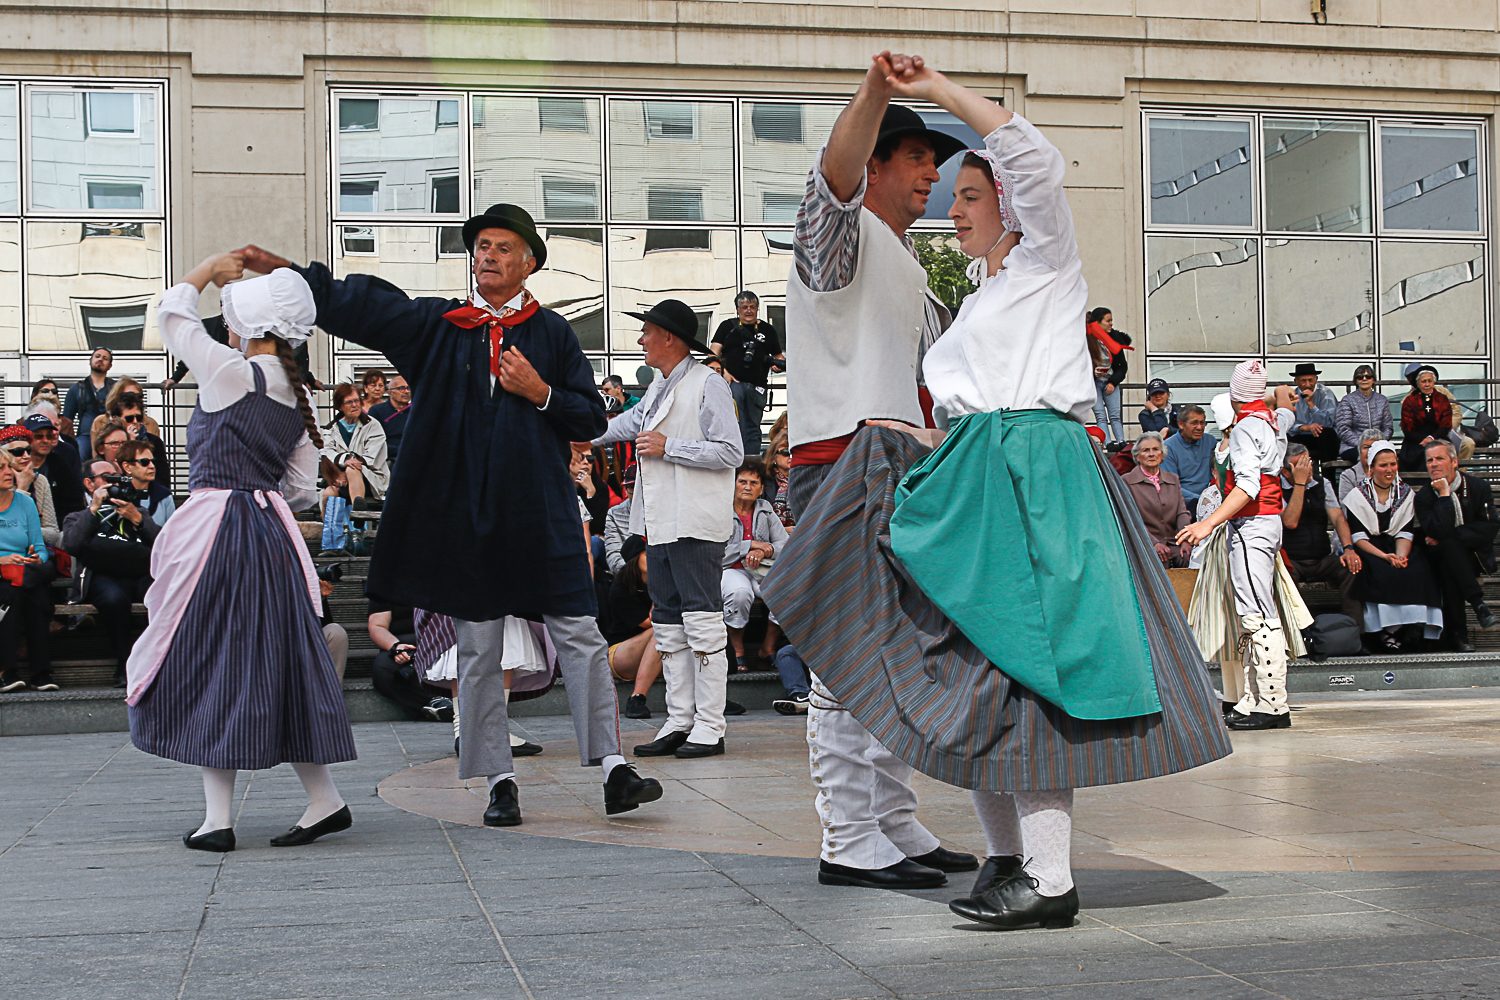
x=1008, y=528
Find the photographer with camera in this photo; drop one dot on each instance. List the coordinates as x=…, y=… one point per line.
x=749, y=347
x=112, y=538
x=393, y=630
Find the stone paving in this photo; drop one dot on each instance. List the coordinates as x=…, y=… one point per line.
x=100, y=900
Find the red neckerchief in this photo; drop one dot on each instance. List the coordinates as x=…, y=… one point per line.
x=1097, y=332
x=1258, y=408
x=472, y=317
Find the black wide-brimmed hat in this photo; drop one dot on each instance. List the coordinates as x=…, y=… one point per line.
x=900, y=120
x=676, y=318
x=512, y=217
x=1306, y=368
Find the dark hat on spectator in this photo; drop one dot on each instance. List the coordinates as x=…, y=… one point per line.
x=1157, y=385
x=13, y=431
x=627, y=478
x=900, y=120
x=1306, y=368
x=678, y=319
x=1416, y=368
x=37, y=422
x=633, y=547
x=512, y=217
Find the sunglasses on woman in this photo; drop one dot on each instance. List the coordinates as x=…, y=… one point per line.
x=141, y=461
x=18, y=452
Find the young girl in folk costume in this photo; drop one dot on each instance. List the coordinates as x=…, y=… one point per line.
x=1042, y=646
x=233, y=672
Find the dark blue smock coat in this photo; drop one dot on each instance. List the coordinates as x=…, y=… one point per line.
x=481, y=519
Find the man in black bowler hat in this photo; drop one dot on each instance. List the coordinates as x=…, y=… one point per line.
x=1314, y=426
x=687, y=446
x=505, y=391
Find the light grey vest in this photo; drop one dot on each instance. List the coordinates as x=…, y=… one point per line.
x=675, y=501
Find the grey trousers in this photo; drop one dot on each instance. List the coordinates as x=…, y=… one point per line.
x=484, y=747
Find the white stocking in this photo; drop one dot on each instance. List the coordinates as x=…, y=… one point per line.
x=218, y=797
x=323, y=799
x=1046, y=820
x=997, y=817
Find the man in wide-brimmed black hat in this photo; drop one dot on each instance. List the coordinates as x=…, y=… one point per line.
x=503, y=390
x=1314, y=424
x=687, y=446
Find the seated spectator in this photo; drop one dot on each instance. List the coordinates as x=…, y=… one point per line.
x=1362, y=410
x=393, y=414
x=626, y=624
x=1395, y=589
x=759, y=535
x=617, y=525
x=60, y=465
x=1159, y=414
x=592, y=489
x=112, y=406
x=394, y=674
x=1314, y=410
x=45, y=391
x=778, y=475
x=713, y=362
x=1158, y=495
x=1426, y=416
x=795, y=678
x=1360, y=470
x=114, y=550
x=371, y=389
x=334, y=634
x=16, y=442
x=137, y=459
x=109, y=438
x=1457, y=514
x=355, y=461
x=614, y=387
x=26, y=575
x=1310, y=508
x=1190, y=454
x=126, y=408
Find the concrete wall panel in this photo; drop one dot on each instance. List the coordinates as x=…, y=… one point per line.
x=235, y=209
x=1092, y=155
x=248, y=141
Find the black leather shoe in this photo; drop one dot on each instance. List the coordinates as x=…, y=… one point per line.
x=1459, y=646
x=635, y=707
x=943, y=860
x=1485, y=617
x=995, y=870
x=526, y=750
x=625, y=789
x=299, y=835
x=904, y=874
x=505, y=806
x=1259, y=720
x=217, y=841
x=1226, y=708
x=692, y=751
x=119, y=682
x=1016, y=903
x=664, y=746
x=733, y=707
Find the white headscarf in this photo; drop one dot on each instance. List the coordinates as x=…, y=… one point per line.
x=1376, y=447
x=978, y=269
x=1223, y=412
x=279, y=303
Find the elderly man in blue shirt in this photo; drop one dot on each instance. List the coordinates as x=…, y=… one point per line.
x=1314, y=423
x=1190, y=454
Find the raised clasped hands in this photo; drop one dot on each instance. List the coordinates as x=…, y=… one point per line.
x=909, y=76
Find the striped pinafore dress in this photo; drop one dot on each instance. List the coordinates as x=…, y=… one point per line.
x=233, y=670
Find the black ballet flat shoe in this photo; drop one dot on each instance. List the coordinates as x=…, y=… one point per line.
x=1259, y=720
x=626, y=789
x=505, y=805
x=995, y=870
x=662, y=746
x=943, y=860
x=217, y=841
x=904, y=874
x=299, y=835
x=693, y=751
x=1015, y=903
x=526, y=750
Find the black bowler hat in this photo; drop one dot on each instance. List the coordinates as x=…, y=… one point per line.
x=676, y=318
x=1306, y=368
x=900, y=120
x=512, y=217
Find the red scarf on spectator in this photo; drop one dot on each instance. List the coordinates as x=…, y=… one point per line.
x=1097, y=332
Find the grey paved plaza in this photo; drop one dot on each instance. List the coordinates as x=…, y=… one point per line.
x=101, y=901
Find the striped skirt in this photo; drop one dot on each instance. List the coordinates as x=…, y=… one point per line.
x=916, y=682
x=247, y=681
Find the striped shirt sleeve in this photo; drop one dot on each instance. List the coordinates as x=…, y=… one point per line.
x=826, y=239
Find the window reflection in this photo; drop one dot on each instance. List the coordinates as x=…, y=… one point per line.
x=780, y=143
x=10, y=184
x=1200, y=172
x=1319, y=296
x=1432, y=298
x=1430, y=178
x=672, y=160
x=10, y=286
x=767, y=259
x=572, y=283
x=90, y=286
x=1317, y=176
x=1201, y=294
x=540, y=153
x=410, y=257
x=641, y=276
x=396, y=156
x=93, y=150
x=941, y=199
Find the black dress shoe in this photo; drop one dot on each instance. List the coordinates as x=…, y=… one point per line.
x=625, y=789
x=995, y=870
x=1459, y=646
x=217, y=841
x=635, y=707
x=299, y=835
x=692, y=751
x=733, y=707
x=1016, y=903
x=1259, y=720
x=1226, y=708
x=904, y=874
x=505, y=805
x=943, y=860
x=526, y=750
x=119, y=682
x=662, y=746
x=1485, y=617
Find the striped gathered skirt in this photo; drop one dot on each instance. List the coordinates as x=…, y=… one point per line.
x=922, y=688
x=247, y=681
x=1212, y=615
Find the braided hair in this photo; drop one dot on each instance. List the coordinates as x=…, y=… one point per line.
x=294, y=375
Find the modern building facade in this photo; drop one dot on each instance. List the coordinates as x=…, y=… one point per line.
x=1245, y=181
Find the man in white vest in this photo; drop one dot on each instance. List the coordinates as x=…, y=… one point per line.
x=687, y=445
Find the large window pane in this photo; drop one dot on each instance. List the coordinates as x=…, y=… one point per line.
x=671, y=160
x=941, y=198
x=1200, y=172
x=1430, y=178
x=10, y=184
x=1317, y=176
x=572, y=283
x=779, y=144
x=93, y=150
x=396, y=156
x=1318, y=297
x=541, y=153
x=1432, y=298
x=10, y=286
x=1201, y=294
x=767, y=259
x=1195, y=382
x=90, y=285
x=702, y=275
x=413, y=258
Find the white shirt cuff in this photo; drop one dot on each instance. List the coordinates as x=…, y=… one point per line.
x=549, y=399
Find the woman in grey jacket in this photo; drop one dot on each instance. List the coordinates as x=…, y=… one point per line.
x=1362, y=410
x=757, y=538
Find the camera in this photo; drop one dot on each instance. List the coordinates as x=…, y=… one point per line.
x=331, y=574
x=122, y=488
